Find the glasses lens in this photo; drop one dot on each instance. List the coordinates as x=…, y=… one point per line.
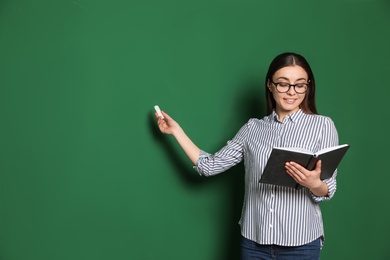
x=301, y=88
x=282, y=87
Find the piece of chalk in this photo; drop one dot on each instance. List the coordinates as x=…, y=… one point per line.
x=157, y=108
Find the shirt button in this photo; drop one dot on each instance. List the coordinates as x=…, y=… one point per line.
x=271, y=226
x=271, y=210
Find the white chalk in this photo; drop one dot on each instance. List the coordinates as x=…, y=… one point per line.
x=157, y=108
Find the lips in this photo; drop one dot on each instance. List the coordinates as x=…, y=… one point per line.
x=290, y=100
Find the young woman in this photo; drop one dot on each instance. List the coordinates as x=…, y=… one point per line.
x=276, y=222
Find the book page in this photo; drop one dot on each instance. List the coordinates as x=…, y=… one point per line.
x=330, y=149
x=295, y=149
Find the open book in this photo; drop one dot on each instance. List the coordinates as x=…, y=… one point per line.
x=275, y=171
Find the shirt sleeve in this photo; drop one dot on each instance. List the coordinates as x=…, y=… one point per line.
x=329, y=138
x=228, y=156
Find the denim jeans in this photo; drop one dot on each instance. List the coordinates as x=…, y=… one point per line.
x=252, y=251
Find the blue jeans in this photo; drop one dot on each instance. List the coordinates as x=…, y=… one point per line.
x=252, y=251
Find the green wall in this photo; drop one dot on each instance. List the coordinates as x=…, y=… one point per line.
x=84, y=171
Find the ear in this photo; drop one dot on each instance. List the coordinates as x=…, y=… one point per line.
x=269, y=85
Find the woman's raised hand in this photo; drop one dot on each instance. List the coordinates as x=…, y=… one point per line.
x=167, y=125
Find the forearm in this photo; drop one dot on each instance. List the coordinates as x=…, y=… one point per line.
x=190, y=149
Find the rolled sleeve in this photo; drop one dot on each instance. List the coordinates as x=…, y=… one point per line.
x=332, y=186
x=329, y=138
x=231, y=154
x=202, y=155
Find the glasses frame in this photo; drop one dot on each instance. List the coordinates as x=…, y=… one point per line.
x=289, y=86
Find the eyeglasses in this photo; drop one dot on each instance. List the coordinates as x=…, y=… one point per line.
x=283, y=87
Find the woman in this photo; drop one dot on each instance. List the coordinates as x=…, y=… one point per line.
x=277, y=222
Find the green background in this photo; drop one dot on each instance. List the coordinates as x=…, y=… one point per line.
x=84, y=171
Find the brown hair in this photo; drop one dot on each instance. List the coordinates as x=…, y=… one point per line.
x=308, y=105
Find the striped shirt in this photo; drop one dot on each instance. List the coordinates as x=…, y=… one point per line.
x=273, y=214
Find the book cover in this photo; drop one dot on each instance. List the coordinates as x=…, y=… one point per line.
x=275, y=171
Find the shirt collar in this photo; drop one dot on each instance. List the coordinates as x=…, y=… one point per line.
x=294, y=117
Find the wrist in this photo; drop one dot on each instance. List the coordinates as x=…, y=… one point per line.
x=320, y=188
x=177, y=132
x=317, y=185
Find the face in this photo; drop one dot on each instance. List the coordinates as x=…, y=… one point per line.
x=288, y=102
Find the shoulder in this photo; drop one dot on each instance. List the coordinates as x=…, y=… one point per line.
x=320, y=122
x=257, y=122
x=318, y=118
x=255, y=125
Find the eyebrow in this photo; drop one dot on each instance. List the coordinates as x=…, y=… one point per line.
x=289, y=79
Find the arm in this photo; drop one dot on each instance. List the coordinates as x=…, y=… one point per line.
x=320, y=189
x=204, y=163
x=170, y=126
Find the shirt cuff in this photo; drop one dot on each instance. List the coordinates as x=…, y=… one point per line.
x=331, y=190
x=198, y=166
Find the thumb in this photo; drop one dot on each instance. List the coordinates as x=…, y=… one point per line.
x=166, y=115
x=318, y=165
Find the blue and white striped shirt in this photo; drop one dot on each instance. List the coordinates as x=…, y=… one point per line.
x=274, y=214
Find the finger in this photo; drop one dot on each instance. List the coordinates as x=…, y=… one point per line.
x=161, y=122
x=291, y=169
x=295, y=176
x=295, y=171
x=297, y=166
x=318, y=165
x=166, y=115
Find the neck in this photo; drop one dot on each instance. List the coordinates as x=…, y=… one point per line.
x=283, y=114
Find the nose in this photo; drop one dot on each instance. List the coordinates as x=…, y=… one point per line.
x=291, y=91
